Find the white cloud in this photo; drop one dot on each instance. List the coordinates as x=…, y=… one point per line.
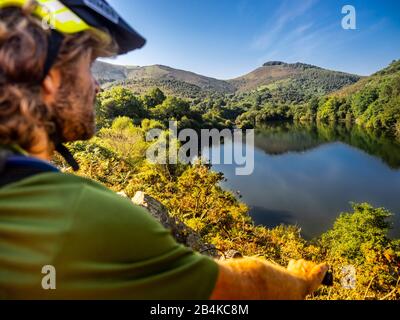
x=279, y=21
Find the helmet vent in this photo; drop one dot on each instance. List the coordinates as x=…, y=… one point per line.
x=102, y=8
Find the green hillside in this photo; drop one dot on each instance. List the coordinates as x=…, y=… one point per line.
x=374, y=102
x=292, y=83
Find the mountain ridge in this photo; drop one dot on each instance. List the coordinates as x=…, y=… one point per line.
x=190, y=85
x=106, y=73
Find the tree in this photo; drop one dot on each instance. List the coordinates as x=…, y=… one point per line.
x=328, y=110
x=120, y=102
x=352, y=232
x=153, y=98
x=124, y=139
x=149, y=124
x=122, y=124
x=313, y=105
x=363, y=99
x=171, y=109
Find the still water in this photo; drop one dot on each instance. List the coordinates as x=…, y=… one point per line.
x=308, y=175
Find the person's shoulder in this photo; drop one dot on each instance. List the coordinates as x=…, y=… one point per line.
x=64, y=188
x=90, y=193
x=116, y=222
x=89, y=200
x=93, y=198
x=65, y=179
x=58, y=180
x=86, y=194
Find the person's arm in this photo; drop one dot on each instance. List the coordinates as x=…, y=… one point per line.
x=255, y=279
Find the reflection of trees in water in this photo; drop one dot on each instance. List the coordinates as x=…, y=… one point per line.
x=283, y=137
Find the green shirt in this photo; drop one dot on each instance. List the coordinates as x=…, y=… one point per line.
x=101, y=245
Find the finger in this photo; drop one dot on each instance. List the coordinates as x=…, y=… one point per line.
x=292, y=264
x=319, y=271
x=308, y=266
x=316, y=276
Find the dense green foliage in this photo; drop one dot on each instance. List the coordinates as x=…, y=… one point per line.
x=372, y=103
x=155, y=106
x=170, y=86
x=118, y=102
x=360, y=239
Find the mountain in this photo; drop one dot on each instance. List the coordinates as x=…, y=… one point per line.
x=140, y=79
x=286, y=79
x=106, y=72
x=309, y=77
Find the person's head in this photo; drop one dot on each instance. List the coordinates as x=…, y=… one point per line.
x=64, y=100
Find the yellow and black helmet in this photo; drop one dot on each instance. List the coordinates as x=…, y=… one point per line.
x=74, y=16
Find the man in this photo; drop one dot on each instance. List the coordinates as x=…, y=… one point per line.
x=97, y=244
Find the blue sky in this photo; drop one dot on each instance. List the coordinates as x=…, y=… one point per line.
x=228, y=38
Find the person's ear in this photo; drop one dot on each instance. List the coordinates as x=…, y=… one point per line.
x=50, y=86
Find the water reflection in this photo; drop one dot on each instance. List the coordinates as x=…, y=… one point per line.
x=307, y=175
x=281, y=138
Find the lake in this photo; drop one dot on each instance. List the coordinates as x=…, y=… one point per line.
x=307, y=175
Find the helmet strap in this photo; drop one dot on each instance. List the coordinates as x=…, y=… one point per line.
x=62, y=149
x=4, y=154
x=53, y=49
x=68, y=157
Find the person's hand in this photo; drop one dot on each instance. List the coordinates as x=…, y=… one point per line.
x=311, y=273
